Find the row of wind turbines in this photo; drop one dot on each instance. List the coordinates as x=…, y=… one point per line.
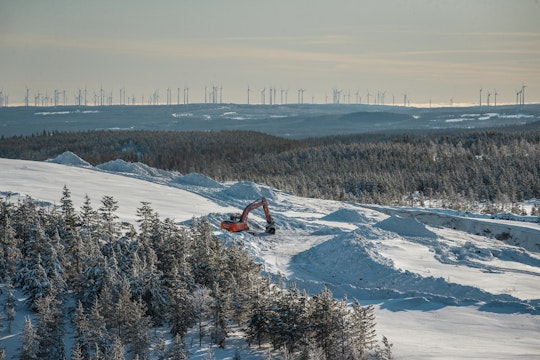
x=214, y=95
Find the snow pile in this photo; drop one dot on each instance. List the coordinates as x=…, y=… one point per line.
x=195, y=179
x=248, y=190
x=69, y=158
x=138, y=169
x=346, y=215
x=406, y=227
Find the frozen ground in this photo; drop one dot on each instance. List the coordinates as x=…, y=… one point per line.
x=443, y=286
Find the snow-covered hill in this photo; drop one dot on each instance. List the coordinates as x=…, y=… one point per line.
x=293, y=121
x=443, y=285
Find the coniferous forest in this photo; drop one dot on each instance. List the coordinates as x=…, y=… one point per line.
x=123, y=288
x=458, y=167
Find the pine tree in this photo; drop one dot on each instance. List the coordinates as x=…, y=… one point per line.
x=181, y=309
x=161, y=348
x=291, y=324
x=10, y=305
x=76, y=352
x=109, y=217
x=260, y=313
x=10, y=253
x=363, y=334
x=89, y=217
x=132, y=324
x=29, y=342
x=69, y=214
x=386, y=352
x=116, y=351
x=98, y=335
x=177, y=351
x=326, y=316
x=50, y=327
x=202, y=303
x=82, y=329
x=220, y=315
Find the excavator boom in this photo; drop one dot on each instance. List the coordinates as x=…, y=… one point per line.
x=239, y=223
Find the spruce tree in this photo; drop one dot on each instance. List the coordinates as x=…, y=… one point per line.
x=82, y=330
x=10, y=253
x=76, y=352
x=177, y=351
x=108, y=214
x=50, y=326
x=29, y=342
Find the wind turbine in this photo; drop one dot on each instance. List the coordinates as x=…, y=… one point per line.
x=495, y=97
x=301, y=95
x=480, y=97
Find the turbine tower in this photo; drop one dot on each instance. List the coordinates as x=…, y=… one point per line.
x=480, y=97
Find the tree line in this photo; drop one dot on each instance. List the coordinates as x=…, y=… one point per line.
x=460, y=167
x=118, y=283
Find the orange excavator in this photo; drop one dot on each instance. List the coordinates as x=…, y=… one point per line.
x=239, y=222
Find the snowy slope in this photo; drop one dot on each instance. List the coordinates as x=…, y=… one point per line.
x=442, y=288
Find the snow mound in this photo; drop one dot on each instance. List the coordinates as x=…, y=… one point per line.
x=197, y=180
x=248, y=190
x=69, y=158
x=346, y=215
x=405, y=227
x=138, y=169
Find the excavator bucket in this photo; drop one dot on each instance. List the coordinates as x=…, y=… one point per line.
x=271, y=228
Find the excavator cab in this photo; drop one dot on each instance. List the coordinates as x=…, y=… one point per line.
x=238, y=222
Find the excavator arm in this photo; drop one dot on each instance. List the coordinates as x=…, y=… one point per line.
x=236, y=224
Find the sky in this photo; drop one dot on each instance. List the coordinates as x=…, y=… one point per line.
x=443, y=51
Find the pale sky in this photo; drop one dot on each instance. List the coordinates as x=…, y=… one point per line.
x=427, y=49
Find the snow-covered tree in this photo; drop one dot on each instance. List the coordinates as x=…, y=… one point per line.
x=82, y=329
x=202, y=303
x=181, y=309
x=76, y=352
x=10, y=304
x=363, y=334
x=10, y=253
x=131, y=322
x=177, y=350
x=385, y=353
x=291, y=325
x=29, y=342
x=69, y=215
x=326, y=323
x=117, y=350
x=50, y=326
x=108, y=214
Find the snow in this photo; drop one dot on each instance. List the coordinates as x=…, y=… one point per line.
x=69, y=158
x=445, y=285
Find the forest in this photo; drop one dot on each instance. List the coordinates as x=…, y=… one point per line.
x=125, y=288
x=458, y=168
